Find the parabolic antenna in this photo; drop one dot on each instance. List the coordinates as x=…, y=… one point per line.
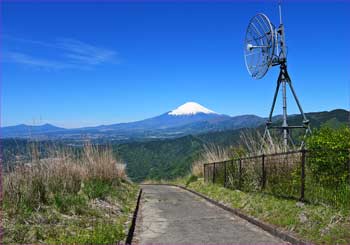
x=265, y=46
x=259, y=45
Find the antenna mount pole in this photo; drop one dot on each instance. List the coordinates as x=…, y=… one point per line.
x=280, y=10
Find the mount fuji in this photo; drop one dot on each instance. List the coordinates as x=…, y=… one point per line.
x=189, y=118
x=187, y=113
x=190, y=108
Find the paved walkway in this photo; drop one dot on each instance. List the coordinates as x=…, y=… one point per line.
x=170, y=214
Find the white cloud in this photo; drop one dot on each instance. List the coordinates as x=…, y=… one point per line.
x=25, y=59
x=67, y=53
x=80, y=52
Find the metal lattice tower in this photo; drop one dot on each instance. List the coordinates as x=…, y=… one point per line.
x=266, y=47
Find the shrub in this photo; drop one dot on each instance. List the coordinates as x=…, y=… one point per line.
x=329, y=155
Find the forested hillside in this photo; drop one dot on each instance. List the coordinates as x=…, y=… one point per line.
x=159, y=159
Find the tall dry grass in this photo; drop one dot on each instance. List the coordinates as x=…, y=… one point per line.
x=251, y=143
x=63, y=171
x=211, y=153
x=255, y=144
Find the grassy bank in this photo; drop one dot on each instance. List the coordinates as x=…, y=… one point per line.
x=68, y=197
x=315, y=223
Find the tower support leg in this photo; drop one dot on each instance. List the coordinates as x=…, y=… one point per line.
x=285, y=123
x=284, y=79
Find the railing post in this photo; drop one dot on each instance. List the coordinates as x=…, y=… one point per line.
x=240, y=174
x=214, y=173
x=302, y=187
x=204, y=172
x=263, y=183
x=232, y=174
x=349, y=166
x=225, y=174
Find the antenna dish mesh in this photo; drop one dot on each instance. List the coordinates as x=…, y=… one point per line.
x=259, y=45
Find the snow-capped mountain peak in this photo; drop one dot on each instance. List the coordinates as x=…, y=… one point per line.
x=190, y=108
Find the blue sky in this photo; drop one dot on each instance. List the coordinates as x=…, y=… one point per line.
x=79, y=64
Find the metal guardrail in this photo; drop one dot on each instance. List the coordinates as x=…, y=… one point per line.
x=284, y=174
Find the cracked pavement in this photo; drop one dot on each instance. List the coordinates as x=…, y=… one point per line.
x=171, y=215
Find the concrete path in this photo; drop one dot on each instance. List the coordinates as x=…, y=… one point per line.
x=170, y=214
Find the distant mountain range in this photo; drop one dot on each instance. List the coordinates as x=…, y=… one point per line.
x=189, y=118
x=23, y=130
